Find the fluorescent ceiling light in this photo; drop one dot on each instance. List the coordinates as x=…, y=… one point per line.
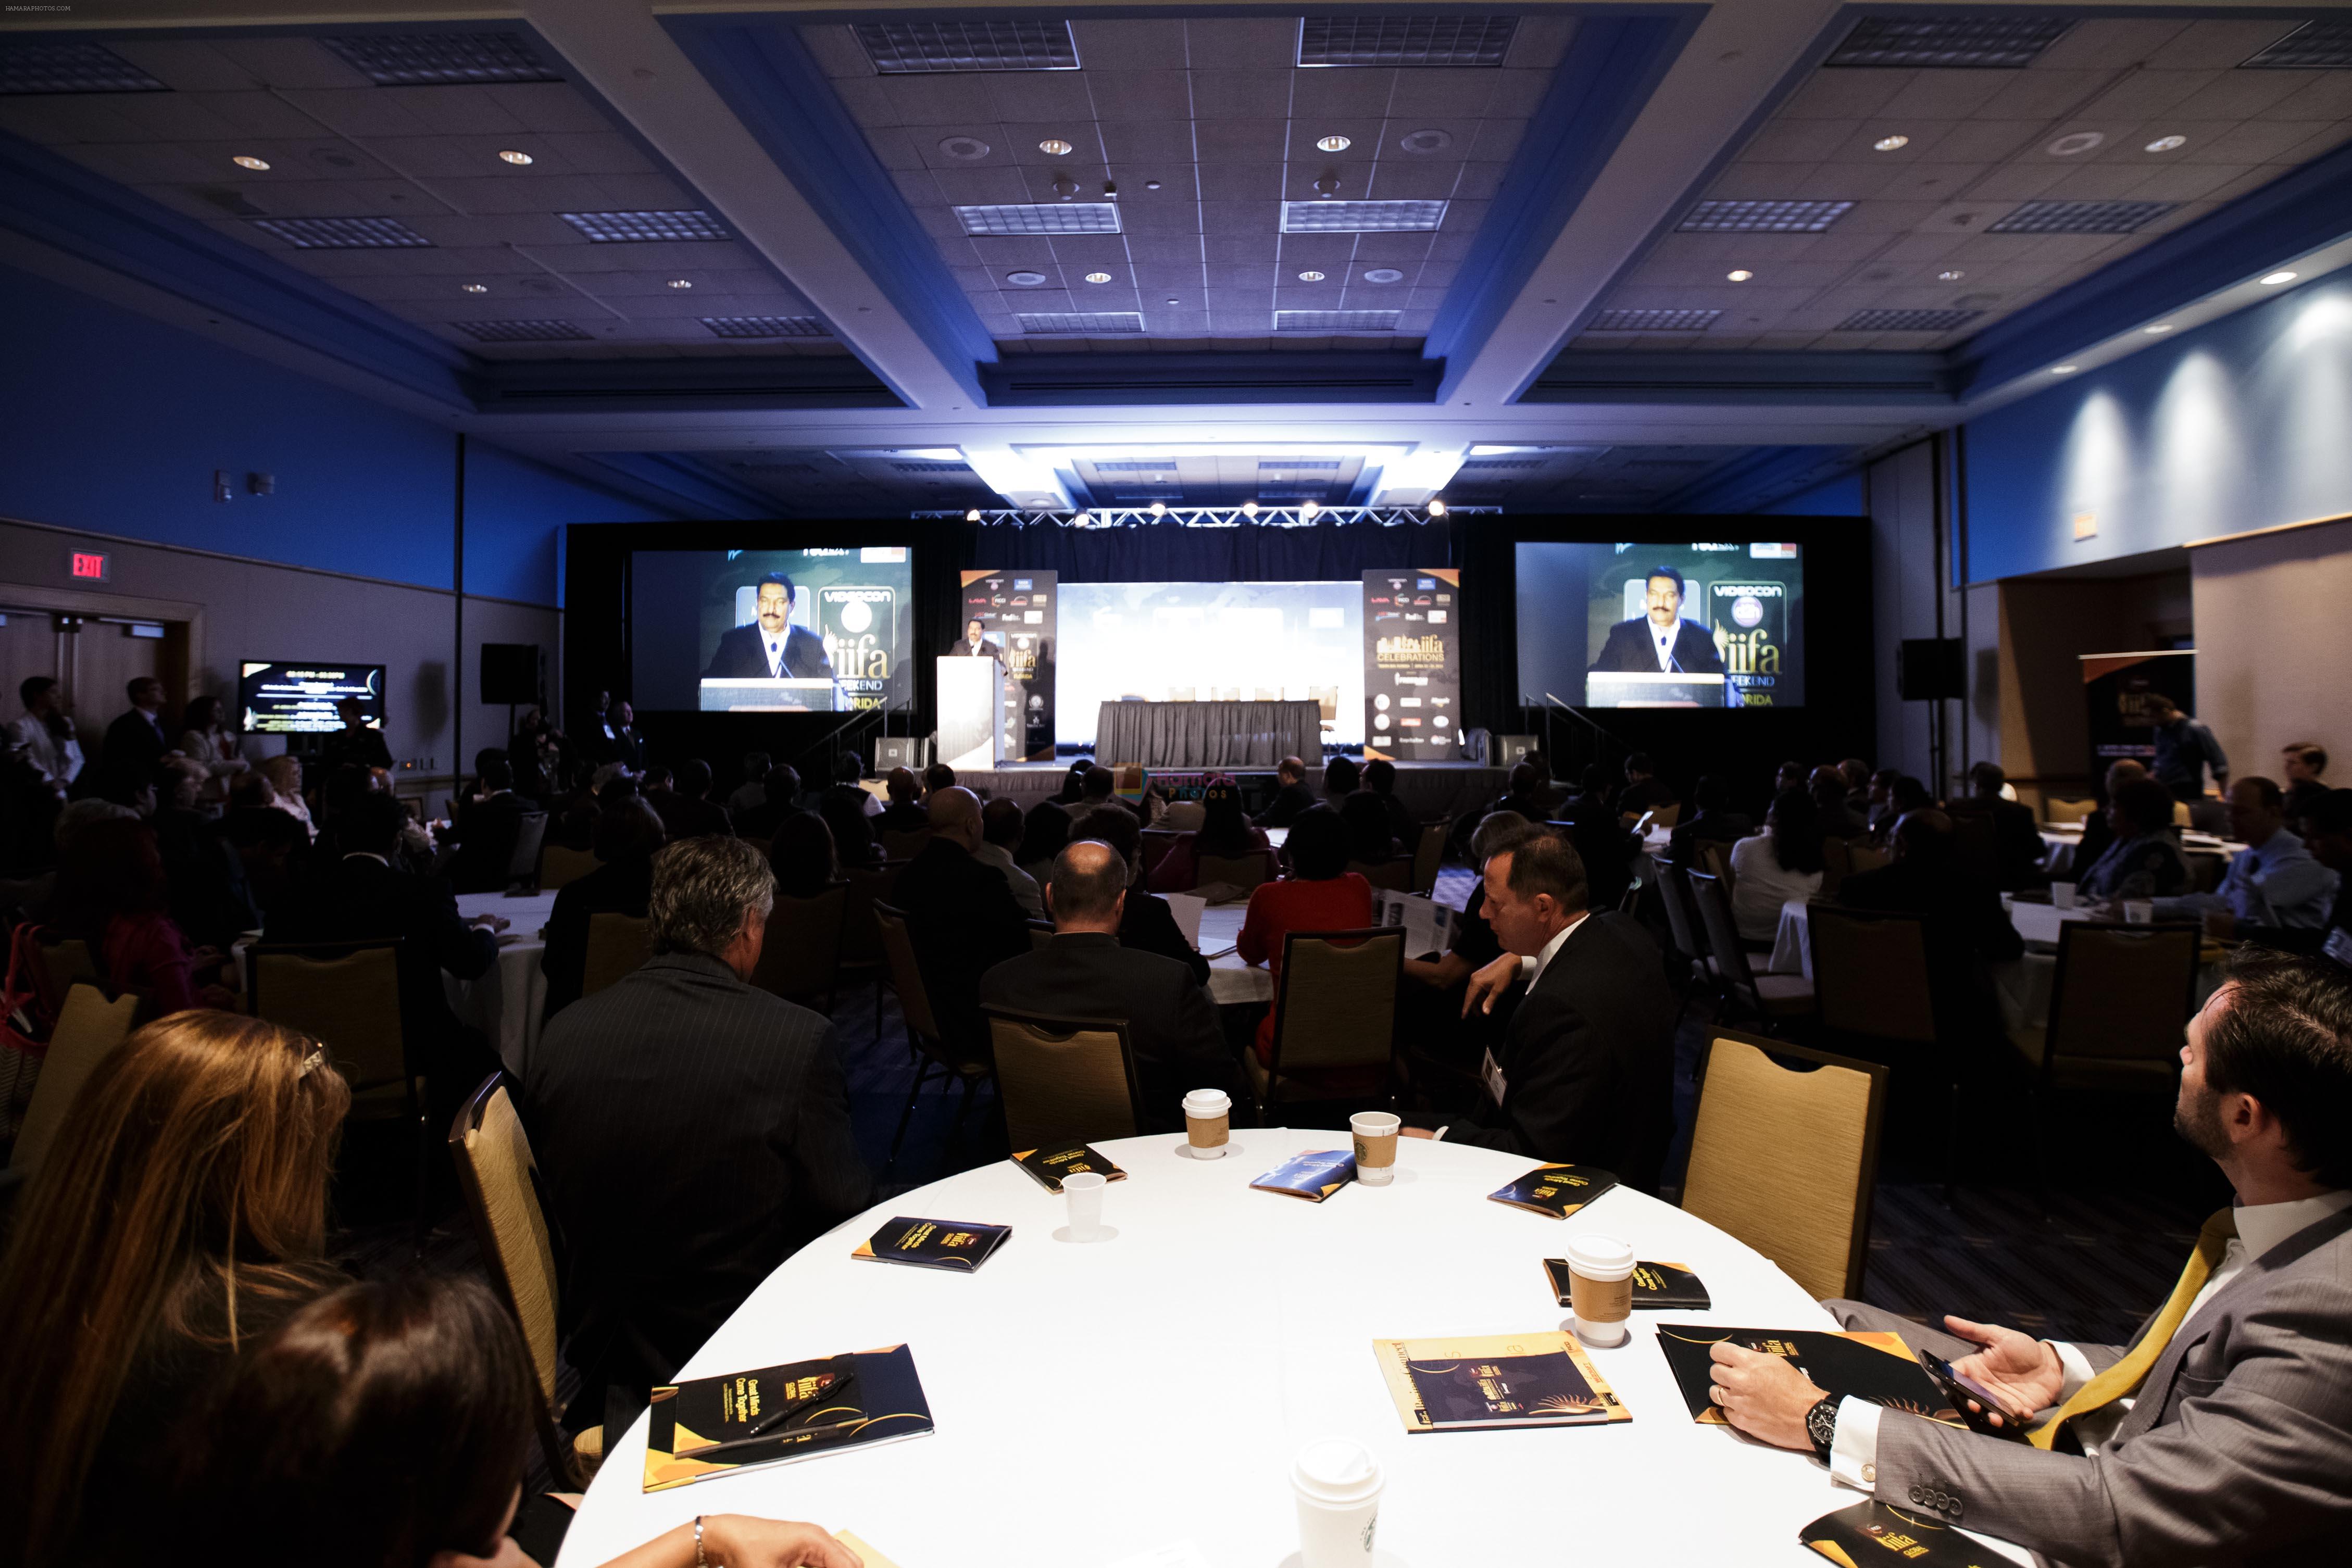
x=2276, y=279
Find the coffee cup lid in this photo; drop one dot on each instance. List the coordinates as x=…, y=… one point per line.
x=1599, y=1256
x=1336, y=1469
x=1208, y=1100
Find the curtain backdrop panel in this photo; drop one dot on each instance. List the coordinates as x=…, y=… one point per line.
x=1170, y=552
x=1209, y=735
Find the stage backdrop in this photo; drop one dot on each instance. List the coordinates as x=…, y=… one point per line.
x=1016, y=613
x=1412, y=663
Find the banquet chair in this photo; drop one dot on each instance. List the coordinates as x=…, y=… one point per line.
x=1428, y=858
x=801, y=958
x=561, y=865
x=1715, y=859
x=88, y=1028
x=1878, y=991
x=861, y=939
x=1784, y=1157
x=1862, y=855
x=922, y=1025
x=1771, y=999
x=1667, y=816
x=904, y=845
x=617, y=944
x=2070, y=811
x=1837, y=863
x=1064, y=1080
x=1334, y=1011
x=1157, y=842
x=531, y=834
x=1683, y=920
x=1391, y=876
x=502, y=1189
x=1184, y=817
x=1244, y=872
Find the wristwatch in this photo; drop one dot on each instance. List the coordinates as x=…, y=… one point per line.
x=1821, y=1424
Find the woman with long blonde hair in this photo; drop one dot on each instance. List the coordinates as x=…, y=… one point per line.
x=181, y=1213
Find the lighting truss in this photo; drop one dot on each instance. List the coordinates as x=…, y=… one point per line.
x=1213, y=516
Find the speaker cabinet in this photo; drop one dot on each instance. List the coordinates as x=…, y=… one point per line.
x=510, y=674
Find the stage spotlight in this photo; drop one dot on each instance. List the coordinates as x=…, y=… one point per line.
x=1159, y=509
x=973, y=515
x=1307, y=509
x=1249, y=508
x=1436, y=508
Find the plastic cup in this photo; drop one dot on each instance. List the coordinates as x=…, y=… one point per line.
x=1376, y=1146
x=2061, y=894
x=1084, y=1192
x=1337, y=1482
x=1601, y=1287
x=1208, y=1123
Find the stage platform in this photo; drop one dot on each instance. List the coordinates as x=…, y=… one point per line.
x=1429, y=791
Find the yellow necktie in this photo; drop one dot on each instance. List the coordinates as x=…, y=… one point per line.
x=2126, y=1375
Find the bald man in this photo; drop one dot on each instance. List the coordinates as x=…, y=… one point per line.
x=962, y=917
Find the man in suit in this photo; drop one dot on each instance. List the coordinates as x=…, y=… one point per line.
x=1291, y=798
x=134, y=743
x=976, y=644
x=488, y=828
x=1712, y=820
x=2223, y=1432
x=2016, y=837
x=358, y=744
x=962, y=917
x=1661, y=639
x=687, y=810
x=627, y=835
x=771, y=646
x=1586, y=1072
x=1086, y=973
x=693, y=1130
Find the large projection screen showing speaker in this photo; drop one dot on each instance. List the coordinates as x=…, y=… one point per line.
x=1203, y=642
x=771, y=631
x=1647, y=626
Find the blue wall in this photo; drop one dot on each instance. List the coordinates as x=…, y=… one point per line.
x=115, y=424
x=1841, y=497
x=2244, y=422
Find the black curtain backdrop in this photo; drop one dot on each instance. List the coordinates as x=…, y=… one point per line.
x=1170, y=552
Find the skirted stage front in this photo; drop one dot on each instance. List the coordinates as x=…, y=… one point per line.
x=1429, y=791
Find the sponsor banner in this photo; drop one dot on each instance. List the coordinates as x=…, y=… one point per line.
x=1412, y=663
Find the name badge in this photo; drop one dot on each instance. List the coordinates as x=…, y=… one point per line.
x=1492, y=1074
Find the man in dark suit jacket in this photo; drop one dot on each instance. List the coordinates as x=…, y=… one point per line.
x=688, y=810
x=975, y=644
x=1292, y=799
x=488, y=828
x=1662, y=639
x=1146, y=924
x=1713, y=823
x=693, y=1130
x=1586, y=1071
x=628, y=831
x=771, y=646
x=2016, y=847
x=134, y=743
x=962, y=917
x=1086, y=973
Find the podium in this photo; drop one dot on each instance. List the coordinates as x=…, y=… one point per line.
x=979, y=714
x=789, y=694
x=1651, y=688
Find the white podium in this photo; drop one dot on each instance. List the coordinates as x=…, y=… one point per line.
x=979, y=710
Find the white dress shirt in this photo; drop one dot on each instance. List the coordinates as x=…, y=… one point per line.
x=1662, y=644
x=1853, y=1455
x=58, y=760
x=774, y=643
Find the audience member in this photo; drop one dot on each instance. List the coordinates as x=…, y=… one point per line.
x=693, y=1130
x=1099, y=788
x=1367, y=821
x=1291, y=794
x=1831, y=815
x=654, y=784
x=849, y=809
x=802, y=856
x=284, y=772
x=274, y=850
x=1905, y=795
x=1380, y=779
x=962, y=917
x=1044, y=831
x=1782, y=862
x=185, y=1216
x=622, y=743
x=1473, y=944
x=46, y=732
x=2301, y=763
x=1791, y=776
x=1644, y=791
x=134, y=743
x=1525, y=793
x=206, y=739
x=1341, y=778
x=1586, y=1071
x=1225, y=832
x=1964, y=926
x=905, y=813
x=1000, y=835
x=1146, y=923
x=937, y=776
x=1878, y=807
x=2185, y=749
x=1712, y=820
x=2219, y=1434
x=2015, y=858
x=1856, y=773
x=2097, y=832
x=752, y=793
x=2273, y=882
x=2143, y=861
x=206, y=876
x=2330, y=843
x=780, y=799
x=110, y=893
x=1074, y=785
x=489, y=828
x=1085, y=972
x=628, y=835
x=692, y=813
x=358, y=744
x=1593, y=796
x=1319, y=894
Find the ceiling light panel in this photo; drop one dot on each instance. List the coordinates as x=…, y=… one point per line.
x=908, y=49
x=1042, y=218
x=1958, y=42
x=2080, y=217
x=1334, y=321
x=440, y=60
x=624, y=228
x=1763, y=217
x=523, y=331
x=28, y=69
x=343, y=233
x=2313, y=46
x=1159, y=466
x=765, y=326
x=1652, y=321
x=1906, y=320
x=1405, y=40
x=1080, y=321
x=1360, y=217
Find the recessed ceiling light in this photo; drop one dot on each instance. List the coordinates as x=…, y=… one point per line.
x=1175, y=301
x=1310, y=278
x=1889, y=143
x=1952, y=276
x=244, y=161
x=2278, y=278
x=1025, y=279
x=2159, y=326
x=2166, y=144
x=2080, y=142
x=478, y=288
x=1098, y=277
x=516, y=158
x=681, y=283
x=1739, y=274
x=1054, y=147
x=1152, y=184
x=2063, y=369
x=1335, y=144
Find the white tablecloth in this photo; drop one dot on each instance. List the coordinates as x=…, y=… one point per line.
x=1230, y=979
x=1098, y=1402
x=506, y=1001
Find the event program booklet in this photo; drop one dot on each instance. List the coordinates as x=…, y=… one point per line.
x=1876, y=1366
x=1669, y=1285
x=1496, y=1380
x=957, y=1244
x=1049, y=1165
x=1869, y=1534
x=1556, y=1191
x=1313, y=1176
x=714, y=1426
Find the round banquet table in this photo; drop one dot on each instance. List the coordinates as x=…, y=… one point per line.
x=1097, y=1403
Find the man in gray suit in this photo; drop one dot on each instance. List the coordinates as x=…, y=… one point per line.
x=2223, y=1432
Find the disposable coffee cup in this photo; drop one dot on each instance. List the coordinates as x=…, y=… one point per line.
x=2140, y=911
x=1338, y=1484
x=1599, y=1287
x=1208, y=1123
x=2061, y=894
x=1376, y=1146
x=1084, y=1192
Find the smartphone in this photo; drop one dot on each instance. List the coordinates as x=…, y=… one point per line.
x=1960, y=1390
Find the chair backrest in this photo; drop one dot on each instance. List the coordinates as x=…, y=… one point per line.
x=1157, y=842
x=1184, y=816
x=861, y=939
x=2122, y=992
x=1041, y=936
x=531, y=832
x=906, y=976
x=345, y=996
x=68, y=959
x=2180, y=814
x=617, y=944
x=1714, y=901
x=1870, y=973
x=560, y=865
x=904, y=844
x=1785, y=1158
x=1393, y=876
x=802, y=950
x=500, y=1180
x=2070, y=811
x=1667, y=815
x=88, y=1028
x=1428, y=857
x=1682, y=915
x=1715, y=859
x=1861, y=854
x=1244, y=870
x=1337, y=1002
x=1063, y=1079
x=1837, y=860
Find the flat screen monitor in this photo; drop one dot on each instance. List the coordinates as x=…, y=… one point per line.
x=771, y=631
x=301, y=697
x=1704, y=624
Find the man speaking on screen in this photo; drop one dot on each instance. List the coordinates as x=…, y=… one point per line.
x=771, y=646
x=1661, y=639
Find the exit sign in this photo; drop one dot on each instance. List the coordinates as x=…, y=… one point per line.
x=92, y=567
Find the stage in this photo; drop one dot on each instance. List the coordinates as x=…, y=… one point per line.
x=1429, y=791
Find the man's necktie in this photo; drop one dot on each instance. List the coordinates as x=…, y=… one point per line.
x=2118, y=1381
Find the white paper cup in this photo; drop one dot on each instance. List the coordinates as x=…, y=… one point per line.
x=1375, y=1133
x=1337, y=1482
x=2139, y=911
x=2061, y=894
x=1601, y=1287
x=1084, y=1191
x=1208, y=1123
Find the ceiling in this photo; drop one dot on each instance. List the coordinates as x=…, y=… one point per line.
x=775, y=259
